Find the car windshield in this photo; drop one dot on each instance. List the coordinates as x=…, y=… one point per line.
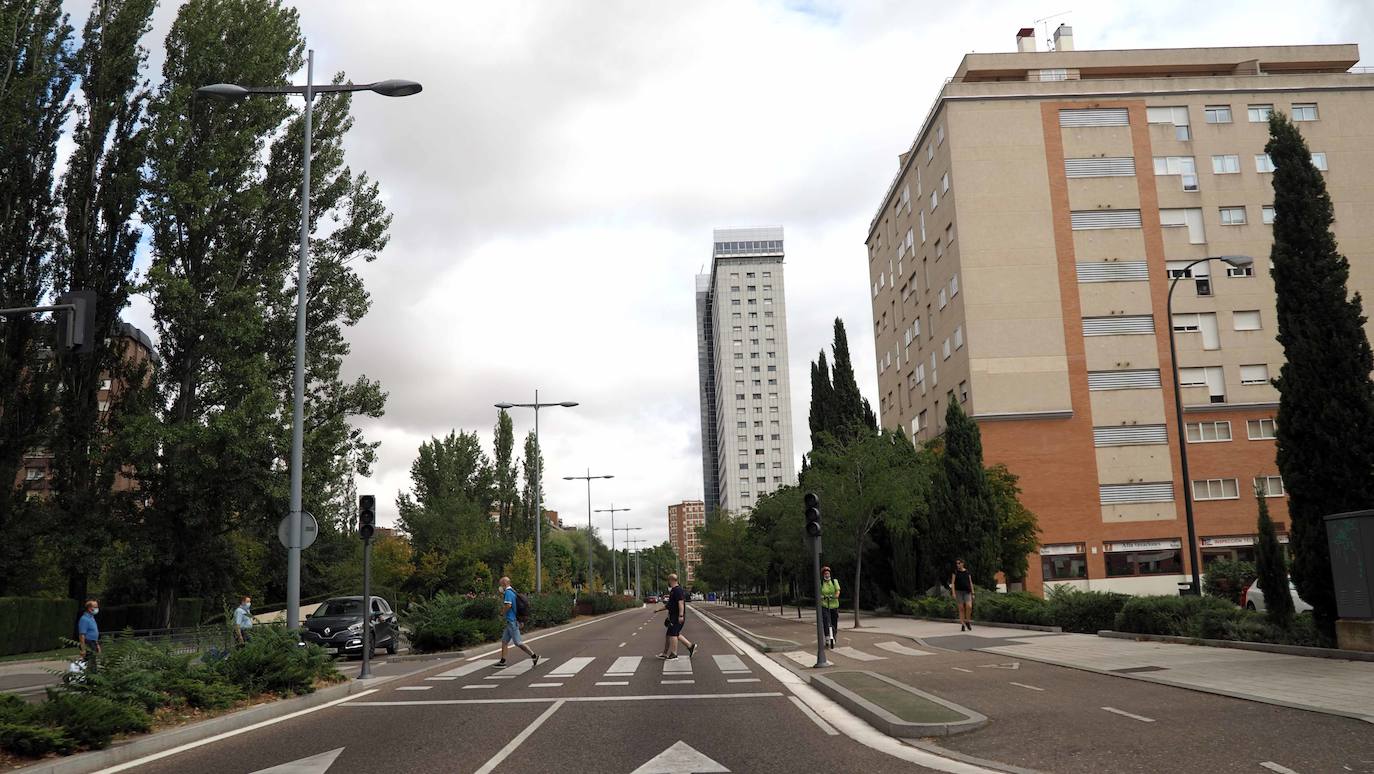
x=341, y=607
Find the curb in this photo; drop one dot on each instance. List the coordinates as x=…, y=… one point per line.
x=889, y=723
x=756, y=640
x=157, y=742
x=1262, y=647
x=993, y=624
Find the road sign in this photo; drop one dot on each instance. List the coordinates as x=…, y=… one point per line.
x=681, y=758
x=310, y=529
x=315, y=764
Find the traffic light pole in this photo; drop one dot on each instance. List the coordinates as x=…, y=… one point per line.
x=813, y=536
x=366, y=671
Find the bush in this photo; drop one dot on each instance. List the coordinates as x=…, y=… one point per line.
x=607, y=603
x=447, y=621
x=484, y=608
x=926, y=607
x=143, y=615
x=550, y=610
x=29, y=624
x=91, y=721
x=207, y=694
x=1087, y=612
x=131, y=672
x=276, y=661
x=1177, y=616
x=1017, y=607
x=1227, y=579
x=32, y=739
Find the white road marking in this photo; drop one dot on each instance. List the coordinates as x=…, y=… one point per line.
x=468, y=668
x=415, y=688
x=1013, y=665
x=441, y=677
x=805, y=658
x=621, y=645
x=479, y=686
x=856, y=654
x=1277, y=768
x=613, y=682
x=572, y=666
x=536, y=700
x=519, y=739
x=544, y=685
x=315, y=764
x=676, y=682
x=679, y=758
x=898, y=648
x=677, y=666
x=625, y=665
x=961, y=669
x=556, y=632
x=730, y=664
x=514, y=670
x=1023, y=685
x=1124, y=713
x=826, y=727
x=743, y=680
x=235, y=732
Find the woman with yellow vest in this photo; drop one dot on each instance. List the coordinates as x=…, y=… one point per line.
x=830, y=603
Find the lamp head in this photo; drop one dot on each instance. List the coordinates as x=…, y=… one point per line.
x=568, y=403
x=223, y=91
x=569, y=478
x=1238, y=261
x=396, y=88
x=504, y=406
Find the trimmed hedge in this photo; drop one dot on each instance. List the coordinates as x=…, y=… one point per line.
x=606, y=603
x=1070, y=609
x=1168, y=615
x=143, y=615
x=1086, y=612
x=29, y=624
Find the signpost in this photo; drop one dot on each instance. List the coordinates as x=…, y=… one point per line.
x=310, y=529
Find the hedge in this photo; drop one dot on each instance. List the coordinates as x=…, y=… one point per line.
x=1071, y=610
x=142, y=616
x=447, y=621
x=29, y=624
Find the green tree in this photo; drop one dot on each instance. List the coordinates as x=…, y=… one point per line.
x=1018, y=531
x=964, y=519
x=1326, y=401
x=530, y=499
x=507, y=492
x=520, y=570
x=447, y=509
x=36, y=76
x=1271, y=569
x=851, y=412
x=822, y=415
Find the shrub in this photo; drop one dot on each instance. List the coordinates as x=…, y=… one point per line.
x=1177, y=616
x=32, y=739
x=926, y=607
x=29, y=624
x=484, y=607
x=1087, y=612
x=447, y=621
x=607, y=603
x=1017, y=607
x=550, y=610
x=89, y=720
x=206, y=693
x=144, y=615
x=275, y=660
x=131, y=672
x=1227, y=579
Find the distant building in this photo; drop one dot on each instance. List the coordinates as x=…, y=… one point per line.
x=684, y=519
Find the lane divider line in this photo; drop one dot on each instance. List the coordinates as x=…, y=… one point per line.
x=1023, y=685
x=1277, y=768
x=519, y=739
x=1132, y=715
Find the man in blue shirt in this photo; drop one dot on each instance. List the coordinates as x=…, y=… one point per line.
x=87, y=633
x=511, y=633
x=243, y=620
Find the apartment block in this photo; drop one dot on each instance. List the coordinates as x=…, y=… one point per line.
x=684, y=519
x=746, y=414
x=1021, y=261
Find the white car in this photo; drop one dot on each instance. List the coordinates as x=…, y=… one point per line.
x=1253, y=598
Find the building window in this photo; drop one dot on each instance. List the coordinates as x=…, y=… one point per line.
x=959, y=337
x=1063, y=566
x=1208, y=432
x=1254, y=374
x=1259, y=114
x=1319, y=161
x=33, y=474
x=946, y=349
x=1217, y=114
x=934, y=200
x=1211, y=377
x=944, y=183
x=954, y=286
x=1216, y=489
x=1164, y=560
x=1240, y=271
x=1266, y=217
x=1183, y=166
x=949, y=234
x=1189, y=218
x=1228, y=164
x=1304, y=111
x=1269, y=486
x=942, y=299
x=1246, y=320
x=1260, y=429
x=963, y=392
x=1178, y=116
x=940, y=134
x=104, y=384
x=930, y=153
x=1263, y=163
x=1233, y=216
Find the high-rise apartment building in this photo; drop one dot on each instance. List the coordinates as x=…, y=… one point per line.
x=746, y=416
x=1021, y=260
x=684, y=519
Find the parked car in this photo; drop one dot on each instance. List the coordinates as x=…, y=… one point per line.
x=337, y=625
x=697, y=596
x=1253, y=598
x=650, y=599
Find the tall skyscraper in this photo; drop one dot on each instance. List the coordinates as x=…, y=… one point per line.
x=746, y=405
x=1020, y=263
x=684, y=519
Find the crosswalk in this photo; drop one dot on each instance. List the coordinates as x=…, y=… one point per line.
x=807, y=658
x=613, y=671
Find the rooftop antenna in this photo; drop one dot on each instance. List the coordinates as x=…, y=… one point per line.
x=1045, y=28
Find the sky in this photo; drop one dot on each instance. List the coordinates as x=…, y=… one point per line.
x=556, y=183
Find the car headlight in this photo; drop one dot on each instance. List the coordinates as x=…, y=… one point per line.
x=357, y=627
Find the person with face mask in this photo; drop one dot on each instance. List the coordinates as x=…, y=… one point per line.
x=830, y=605
x=243, y=620
x=88, y=633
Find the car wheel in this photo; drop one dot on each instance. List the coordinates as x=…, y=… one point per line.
x=1249, y=605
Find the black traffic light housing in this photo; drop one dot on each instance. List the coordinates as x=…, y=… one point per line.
x=813, y=514
x=367, y=516
x=77, y=332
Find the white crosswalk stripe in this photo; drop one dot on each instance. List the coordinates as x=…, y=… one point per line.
x=856, y=654
x=469, y=668
x=514, y=670
x=625, y=665
x=900, y=649
x=677, y=666
x=731, y=664
x=572, y=666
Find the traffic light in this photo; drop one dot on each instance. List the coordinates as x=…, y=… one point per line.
x=367, y=516
x=813, y=514
x=77, y=332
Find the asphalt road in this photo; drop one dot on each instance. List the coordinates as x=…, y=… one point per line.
x=597, y=702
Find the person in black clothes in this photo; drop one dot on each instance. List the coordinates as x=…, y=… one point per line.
x=962, y=583
x=676, y=605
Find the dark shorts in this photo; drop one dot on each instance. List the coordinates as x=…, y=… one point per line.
x=675, y=627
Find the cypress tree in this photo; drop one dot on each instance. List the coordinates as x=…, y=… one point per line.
x=821, y=418
x=1271, y=569
x=852, y=411
x=964, y=516
x=1325, y=434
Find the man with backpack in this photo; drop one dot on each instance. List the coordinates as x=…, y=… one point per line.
x=515, y=608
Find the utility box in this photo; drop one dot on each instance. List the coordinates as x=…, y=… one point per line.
x=1350, y=540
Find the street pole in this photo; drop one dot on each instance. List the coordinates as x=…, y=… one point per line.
x=820, y=624
x=591, y=548
x=615, y=529
x=1195, y=588
x=538, y=485
x=293, y=551
x=366, y=671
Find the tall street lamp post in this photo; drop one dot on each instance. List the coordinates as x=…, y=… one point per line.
x=538, y=494
x=626, y=540
x=390, y=88
x=590, y=548
x=615, y=577
x=1238, y=261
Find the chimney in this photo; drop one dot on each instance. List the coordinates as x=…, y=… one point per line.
x=1025, y=39
x=1063, y=38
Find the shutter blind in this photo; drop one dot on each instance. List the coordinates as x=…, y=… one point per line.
x=1093, y=117
x=1113, y=271
x=1112, y=494
x=1123, y=166
x=1124, y=380
x=1121, y=324
x=1082, y=220
x=1130, y=435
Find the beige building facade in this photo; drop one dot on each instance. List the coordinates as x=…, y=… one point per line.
x=1021, y=262
x=684, y=520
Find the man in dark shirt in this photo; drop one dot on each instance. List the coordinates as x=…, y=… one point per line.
x=676, y=606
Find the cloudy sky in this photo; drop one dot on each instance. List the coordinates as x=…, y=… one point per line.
x=555, y=187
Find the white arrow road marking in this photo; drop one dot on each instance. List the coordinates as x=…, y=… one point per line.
x=961, y=669
x=1013, y=665
x=900, y=649
x=681, y=758
x=856, y=654
x=519, y=739
x=1023, y=685
x=1123, y=713
x=315, y=764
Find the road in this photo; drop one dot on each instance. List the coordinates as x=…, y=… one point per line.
x=598, y=702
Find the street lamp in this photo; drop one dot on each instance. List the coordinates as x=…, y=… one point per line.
x=1238, y=261
x=232, y=91
x=615, y=529
x=588, y=478
x=538, y=495
x=615, y=578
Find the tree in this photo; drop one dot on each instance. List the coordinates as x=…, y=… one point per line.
x=100, y=196
x=521, y=567
x=532, y=499
x=1270, y=567
x=821, y=417
x=1325, y=422
x=1017, y=528
x=36, y=76
x=852, y=413
x=446, y=511
x=507, y=494
x=964, y=519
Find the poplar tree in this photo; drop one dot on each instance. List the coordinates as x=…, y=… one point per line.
x=507, y=493
x=532, y=520
x=1270, y=568
x=964, y=522
x=1325, y=433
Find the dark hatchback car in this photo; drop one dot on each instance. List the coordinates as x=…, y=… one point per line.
x=337, y=625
